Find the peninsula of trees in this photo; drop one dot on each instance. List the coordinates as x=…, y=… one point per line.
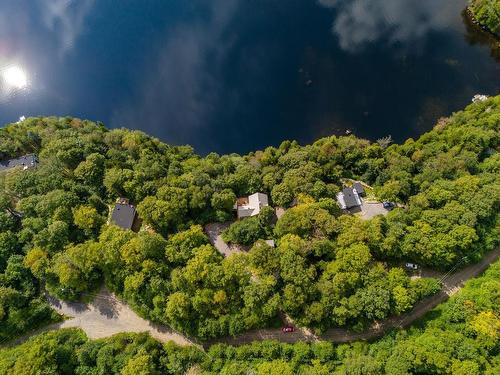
x=328, y=268
x=487, y=14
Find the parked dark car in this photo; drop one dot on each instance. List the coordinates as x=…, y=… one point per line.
x=411, y=266
x=288, y=329
x=388, y=205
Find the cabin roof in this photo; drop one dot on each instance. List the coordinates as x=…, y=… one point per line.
x=123, y=215
x=350, y=197
x=359, y=188
x=26, y=161
x=251, y=205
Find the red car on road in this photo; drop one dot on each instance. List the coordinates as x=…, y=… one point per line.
x=288, y=329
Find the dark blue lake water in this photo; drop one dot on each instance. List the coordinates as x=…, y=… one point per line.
x=239, y=75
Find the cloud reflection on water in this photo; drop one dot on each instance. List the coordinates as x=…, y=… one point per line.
x=63, y=19
x=66, y=19
x=360, y=22
x=216, y=73
x=36, y=33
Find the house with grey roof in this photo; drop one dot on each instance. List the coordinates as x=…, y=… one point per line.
x=124, y=214
x=348, y=198
x=25, y=162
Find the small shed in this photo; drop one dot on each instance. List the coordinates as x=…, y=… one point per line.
x=270, y=243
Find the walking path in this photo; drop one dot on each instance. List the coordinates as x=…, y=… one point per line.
x=106, y=316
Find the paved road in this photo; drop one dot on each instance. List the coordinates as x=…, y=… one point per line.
x=103, y=317
x=107, y=315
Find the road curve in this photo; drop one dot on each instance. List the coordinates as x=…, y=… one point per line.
x=106, y=315
x=103, y=317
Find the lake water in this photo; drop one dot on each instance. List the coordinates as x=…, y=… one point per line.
x=239, y=75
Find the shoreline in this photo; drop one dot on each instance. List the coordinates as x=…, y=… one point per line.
x=472, y=18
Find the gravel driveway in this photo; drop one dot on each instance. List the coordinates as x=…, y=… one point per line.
x=106, y=315
x=372, y=209
x=213, y=232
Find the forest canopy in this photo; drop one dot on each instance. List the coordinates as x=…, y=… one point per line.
x=328, y=269
x=487, y=13
x=461, y=336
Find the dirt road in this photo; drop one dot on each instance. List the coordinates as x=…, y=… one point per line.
x=106, y=316
x=451, y=284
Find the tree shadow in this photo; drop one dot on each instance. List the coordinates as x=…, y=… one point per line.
x=169, y=331
x=106, y=304
x=76, y=306
x=476, y=35
x=354, y=210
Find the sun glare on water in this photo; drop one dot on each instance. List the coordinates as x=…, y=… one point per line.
x=15, y=77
